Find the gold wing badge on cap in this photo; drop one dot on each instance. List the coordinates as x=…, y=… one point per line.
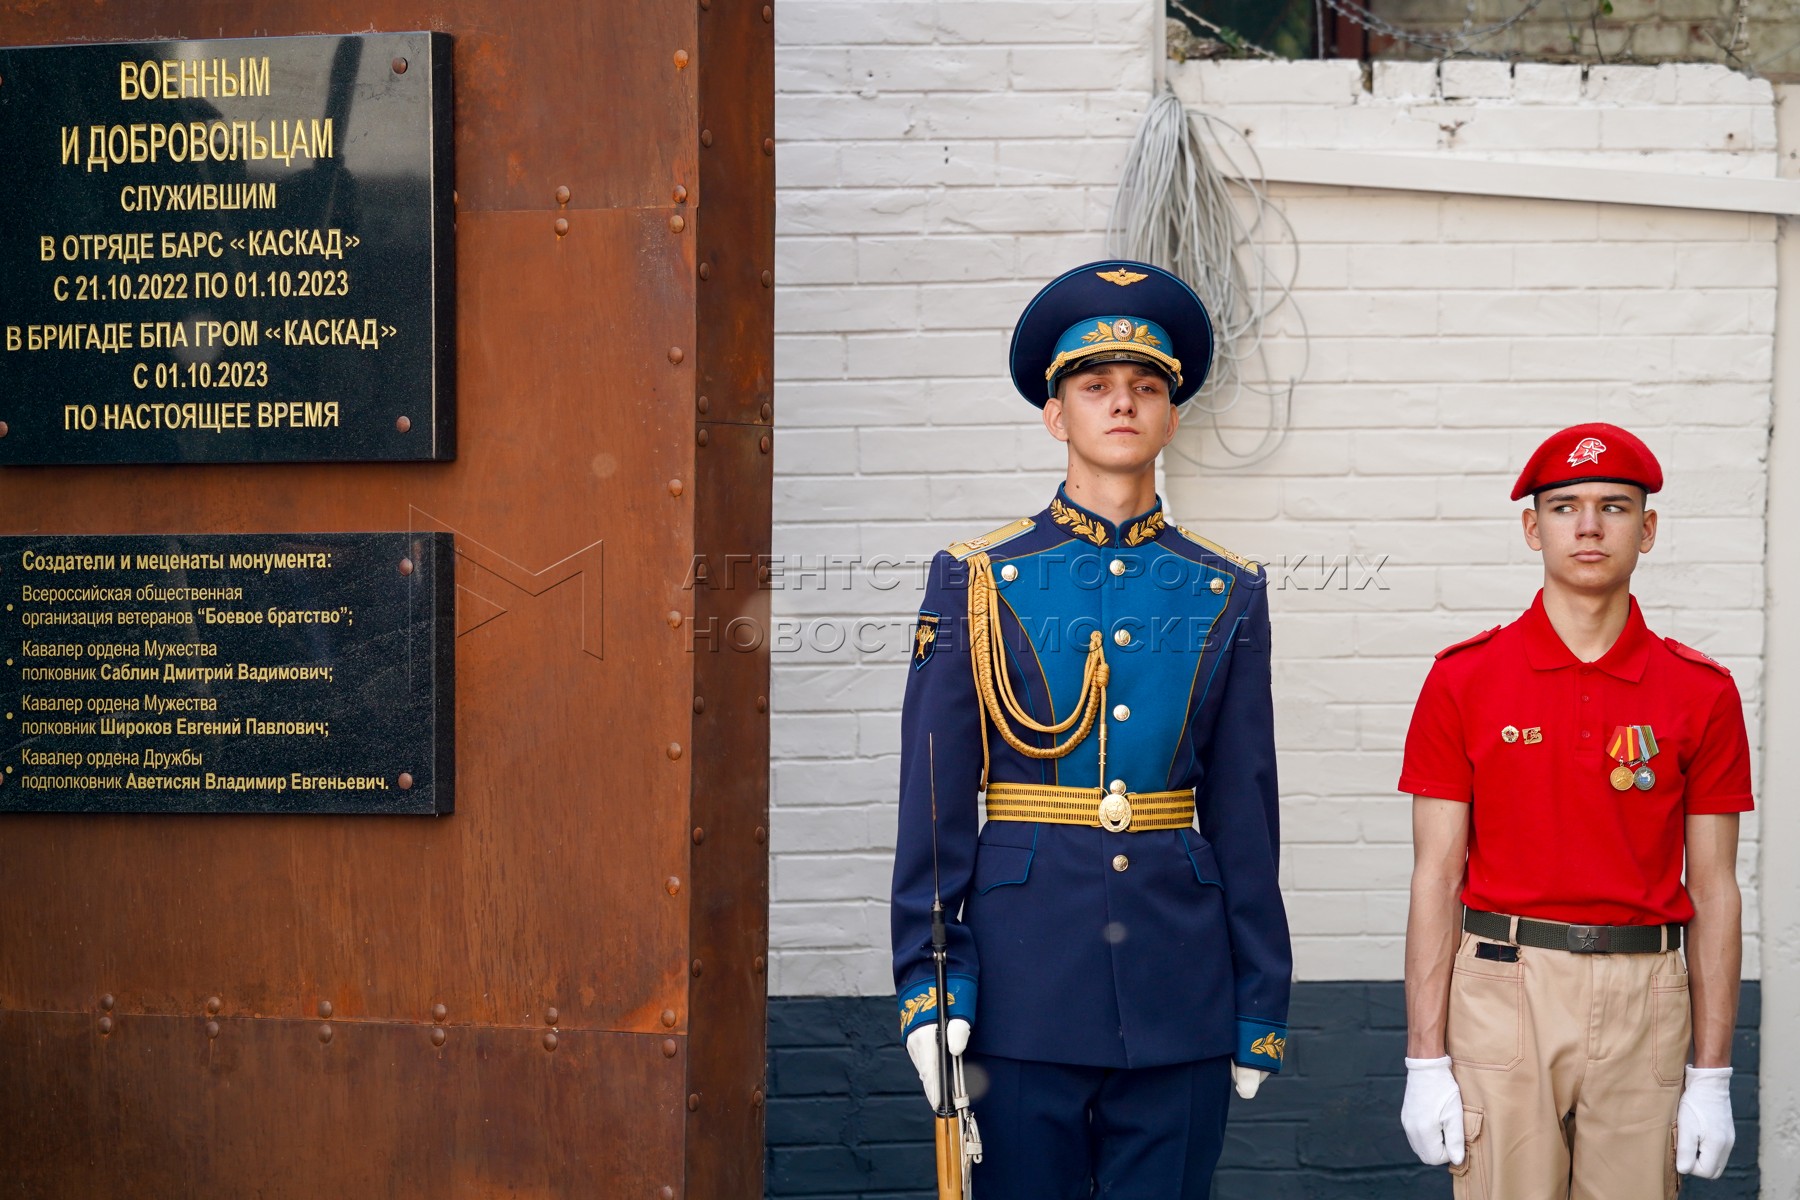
x=1122, y=277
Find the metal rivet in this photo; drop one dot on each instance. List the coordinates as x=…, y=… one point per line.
x=406, y=566
x=701, y=437
x=694, y=1102
x=761, y=835
x=762, y=443
x=675, y=487
x=563, y=194
x=674, y=751
x=677, y=224
x=439, y=1012
x=706, y=137
x=680, y=194
x=757, y=964
x=672, y=885
x=561, y=225
x=768, y=410
x=399, y=65
x=674, y=619
x=403, y=424
x=324, y=1033
x=676, y=354
x=768, y=14
x=668, y=1017
x=703, y=404
x=549, y=1041
x=668, y=1047
x=768, y=145
x=214, y=1004
x=768, y=279
x=699, y=835
x=106, y=1001
x=681, y=59
x=550, y=1015
x=695, y=968
x=324, y=1009
x=699, y=704
x=212, y=1029
x=439, y=1037
x=405, y=781
x=756, y=1098
x=706, y=270
x=106, y=1024
x=762, y=702
x=762, y=573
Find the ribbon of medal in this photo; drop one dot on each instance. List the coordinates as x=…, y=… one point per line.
x=1632, y=747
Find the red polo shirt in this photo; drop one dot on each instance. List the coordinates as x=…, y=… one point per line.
x=1549, y=836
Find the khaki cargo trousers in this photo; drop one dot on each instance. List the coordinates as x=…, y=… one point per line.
x=1571, y=1068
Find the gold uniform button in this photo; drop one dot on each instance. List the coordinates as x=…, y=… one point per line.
x=1116, y=787
x=1117, y=567
x=1218, y=585
x=1121, y=713
x=1122, y=637
x=1009, y=572
x=1120, y=862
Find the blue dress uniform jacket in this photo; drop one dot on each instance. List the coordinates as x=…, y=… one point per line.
x=1068, y=943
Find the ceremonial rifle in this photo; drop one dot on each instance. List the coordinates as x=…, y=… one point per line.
x=957, y=1138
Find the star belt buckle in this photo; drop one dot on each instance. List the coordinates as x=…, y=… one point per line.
x=1589, y=939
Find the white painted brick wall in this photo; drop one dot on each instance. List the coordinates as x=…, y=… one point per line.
x=939, y=161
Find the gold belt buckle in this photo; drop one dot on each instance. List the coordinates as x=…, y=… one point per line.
x=1115, y=812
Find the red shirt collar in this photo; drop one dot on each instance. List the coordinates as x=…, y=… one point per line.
x=1545, y=651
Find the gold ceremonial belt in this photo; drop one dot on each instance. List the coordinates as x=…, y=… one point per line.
x=1115, y=812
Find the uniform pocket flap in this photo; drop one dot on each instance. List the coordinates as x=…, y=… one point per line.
x=1471, y=1124
x=997, y=866
x=1205, y=863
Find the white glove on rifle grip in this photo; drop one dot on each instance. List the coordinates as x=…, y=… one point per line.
x=1704, y=1133
x=1432, y=1113
x=922, y=1048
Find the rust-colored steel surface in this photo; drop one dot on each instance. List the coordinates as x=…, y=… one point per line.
x=559, y=990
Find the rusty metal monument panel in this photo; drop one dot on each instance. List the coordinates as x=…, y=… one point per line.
x=227, y=673
x=227, y=251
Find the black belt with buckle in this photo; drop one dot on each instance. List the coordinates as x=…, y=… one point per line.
x=1577, y=939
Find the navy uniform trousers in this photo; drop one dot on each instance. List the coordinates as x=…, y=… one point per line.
x=1051, y=1131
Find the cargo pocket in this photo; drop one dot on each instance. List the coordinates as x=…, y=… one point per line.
x=1470, y=1180
x=1486, y=1025
x=1671, y=1027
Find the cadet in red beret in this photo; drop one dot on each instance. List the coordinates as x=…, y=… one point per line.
x=1562, y=768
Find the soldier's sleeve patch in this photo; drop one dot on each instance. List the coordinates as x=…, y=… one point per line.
x=1261, y=1044
x=1479, y=638
x=925, y=637
x=1699, y=656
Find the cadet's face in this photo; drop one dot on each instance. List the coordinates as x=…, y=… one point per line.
x=1116, y=417
x=1590, y=534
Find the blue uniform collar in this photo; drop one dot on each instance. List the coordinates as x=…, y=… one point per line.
x=1095, y=529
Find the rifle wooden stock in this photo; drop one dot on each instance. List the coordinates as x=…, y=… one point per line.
x=949, y=1158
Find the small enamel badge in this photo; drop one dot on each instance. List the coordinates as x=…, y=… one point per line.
x=1587, y=450
x=1510, y=734
x=924, y=639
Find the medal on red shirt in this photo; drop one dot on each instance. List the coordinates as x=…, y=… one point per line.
x=1632, y=746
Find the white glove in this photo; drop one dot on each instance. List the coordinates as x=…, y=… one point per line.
x=922, y=1048
x=1247, y=1080
x=1432, y=1112
x=1704, y=1133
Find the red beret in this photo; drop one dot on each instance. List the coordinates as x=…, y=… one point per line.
x=1592, y=453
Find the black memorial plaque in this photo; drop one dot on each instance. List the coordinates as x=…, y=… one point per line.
x=268, y=673
x=227, y=251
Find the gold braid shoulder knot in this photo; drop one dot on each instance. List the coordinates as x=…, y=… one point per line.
x=987, y=651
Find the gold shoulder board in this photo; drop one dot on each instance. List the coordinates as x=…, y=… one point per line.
x=987, y=541
x=1249, y=564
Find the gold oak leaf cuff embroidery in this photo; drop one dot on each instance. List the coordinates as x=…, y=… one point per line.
x=1269, y=1044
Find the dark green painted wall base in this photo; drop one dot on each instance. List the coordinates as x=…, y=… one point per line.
x=847, y=1120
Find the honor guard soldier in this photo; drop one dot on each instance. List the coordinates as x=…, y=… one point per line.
x=1117, y=947
x=1562, y=766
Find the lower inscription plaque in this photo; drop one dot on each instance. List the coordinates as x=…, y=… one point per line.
x=217, y=673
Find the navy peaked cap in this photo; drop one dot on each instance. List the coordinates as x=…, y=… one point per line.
x=1112, y=311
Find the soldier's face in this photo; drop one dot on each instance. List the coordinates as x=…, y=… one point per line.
x=1590, y=534
x=1114, y=417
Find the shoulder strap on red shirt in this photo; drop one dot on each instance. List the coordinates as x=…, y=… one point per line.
x=1699, y=656
x=1479, y=638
